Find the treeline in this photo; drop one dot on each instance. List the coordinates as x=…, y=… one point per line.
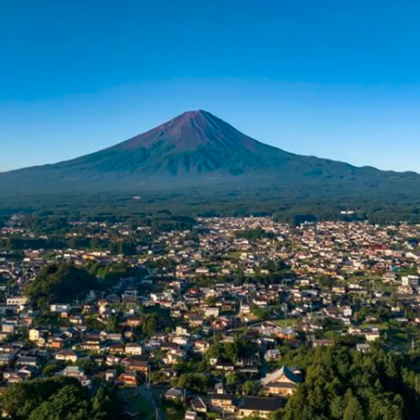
x=344, y=384
x=51, y=231
x=59, y=283
x=59, y=398
x=282, y=202
x=254, y=234
x=55, y=222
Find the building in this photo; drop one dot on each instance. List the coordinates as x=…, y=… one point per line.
x=135, y=364
x=174, y=394
x=258, y=407
x=211, y=311
x=59, y=308
x=78, y=373
x=17, y=300
x=409, y=281
x=223, y=403
x=128, y=378
x=283, y=381
x=66, y=356
x=34, y=334
x=134, y=349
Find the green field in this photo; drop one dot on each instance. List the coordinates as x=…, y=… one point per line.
x=286, y=322
x=136, y=403
x=379, y=326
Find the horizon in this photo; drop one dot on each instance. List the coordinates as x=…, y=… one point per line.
x=79, y=78
x=195, y=111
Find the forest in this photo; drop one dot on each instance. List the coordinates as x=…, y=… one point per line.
x=343, y=383
x=59, y=398
x=285, y=204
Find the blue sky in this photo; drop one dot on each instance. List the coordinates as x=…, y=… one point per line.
x=336, y=79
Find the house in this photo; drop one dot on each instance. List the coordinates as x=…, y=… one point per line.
x=211, y=312
x=17, y=300
x=272, y=354
x=35, y=334
x=55, y=343
x=66, y=356
x=134, y=349
x=134, y=322
x=174, y=394
x=27, y=361
x=59, y=308
x=117, y=337
x=14, y=377
x=190, y=415
x=222, y=403
x=8, y=328
x=76, y=319
x=5, y=359
x=110, y=375
x=372, y=336
x=196, y=320
x=77, y=373
x=91, y=345
x=283, y=381
x=363, y=347
x=112, y=360
x=180, y=331
x=136, y=364
x=128, y=378
x=28, y=371
x=322, y=342
x=201, y=346
x=199, y=405
x=258, y=407
x=117, y=348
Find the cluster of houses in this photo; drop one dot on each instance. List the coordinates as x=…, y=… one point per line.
x=279, y=287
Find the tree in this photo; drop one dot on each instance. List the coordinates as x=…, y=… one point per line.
x=59, y=398
x=251, y=388
x=259, y=312
x=194, y=382
x=112, y=325
x=59, y=283
x=354, y=410
x=149, y=324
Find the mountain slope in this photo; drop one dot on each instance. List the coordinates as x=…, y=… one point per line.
x=196, y=147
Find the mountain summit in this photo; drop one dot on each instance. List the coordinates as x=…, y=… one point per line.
x=197, y=147
x=194, y=143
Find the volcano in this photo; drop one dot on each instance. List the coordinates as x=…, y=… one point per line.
x=198, y=148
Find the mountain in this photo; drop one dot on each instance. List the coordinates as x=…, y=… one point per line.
x=198, y=148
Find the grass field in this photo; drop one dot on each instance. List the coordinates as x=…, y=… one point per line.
x=136, y=403
x=286, y=322
x=379, y=326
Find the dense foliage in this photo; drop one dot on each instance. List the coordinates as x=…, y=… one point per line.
x=58, y=398
x=344, y=384
x=59, y=283
x=51, y=212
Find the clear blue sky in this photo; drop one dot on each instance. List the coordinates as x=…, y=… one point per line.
x=333, y=78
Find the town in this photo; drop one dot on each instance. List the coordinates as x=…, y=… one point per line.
x=204, y=322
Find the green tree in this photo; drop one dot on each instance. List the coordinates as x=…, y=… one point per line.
x=354, y=410
x=59, y=283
